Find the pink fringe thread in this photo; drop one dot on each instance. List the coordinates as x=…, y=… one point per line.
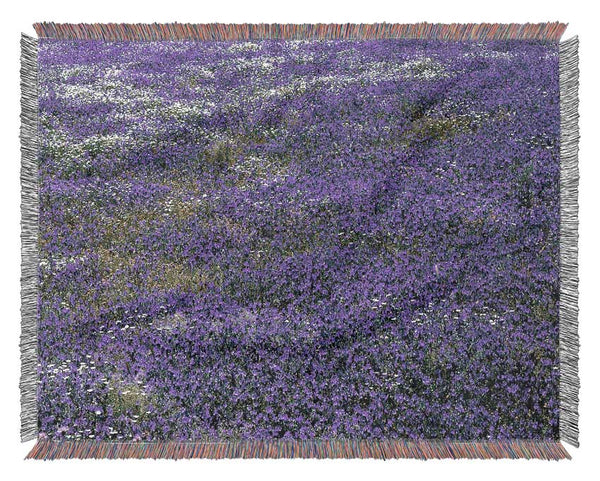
x=223, y=31
x=377, y=449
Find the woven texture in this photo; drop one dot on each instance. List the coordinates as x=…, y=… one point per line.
x=300, y=241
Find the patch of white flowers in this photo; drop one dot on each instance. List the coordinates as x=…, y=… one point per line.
x=244, y=47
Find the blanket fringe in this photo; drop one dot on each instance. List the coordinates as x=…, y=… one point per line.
x=375, y=449
x=29, y=237
x=225, y=31
x=569, y=179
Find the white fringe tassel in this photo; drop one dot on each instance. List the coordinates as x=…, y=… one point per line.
x=569, y=180
x=29, y=237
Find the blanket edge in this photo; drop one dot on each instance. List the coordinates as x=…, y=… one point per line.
x=319, y=449
x=548, y=31
x=568, y=300
x=29, y=237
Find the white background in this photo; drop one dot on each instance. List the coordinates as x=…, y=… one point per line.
x=18, y=16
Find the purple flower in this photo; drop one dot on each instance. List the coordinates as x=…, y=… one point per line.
x=289, y=239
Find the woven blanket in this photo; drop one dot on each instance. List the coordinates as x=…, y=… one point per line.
x=299, y=241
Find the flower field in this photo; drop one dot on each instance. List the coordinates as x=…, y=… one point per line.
x=298, y=239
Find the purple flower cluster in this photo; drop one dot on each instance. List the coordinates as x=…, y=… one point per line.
x=298, y=239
